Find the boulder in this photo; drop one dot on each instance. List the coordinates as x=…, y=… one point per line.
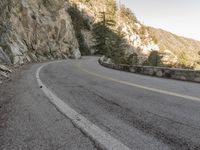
x=159, y=73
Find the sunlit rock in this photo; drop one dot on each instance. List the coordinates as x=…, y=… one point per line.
x=34, y=30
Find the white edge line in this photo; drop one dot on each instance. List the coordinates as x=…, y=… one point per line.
x=103, y=139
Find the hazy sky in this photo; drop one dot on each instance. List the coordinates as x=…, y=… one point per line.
x=181, y=17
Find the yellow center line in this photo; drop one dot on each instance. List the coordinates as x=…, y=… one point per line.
x=101, y=137
x=140, y=86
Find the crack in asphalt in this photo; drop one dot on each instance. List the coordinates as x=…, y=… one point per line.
x=151, y=124
x=137, y=121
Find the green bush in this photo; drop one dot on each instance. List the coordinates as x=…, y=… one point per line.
x=154, y=59
x=132, y=59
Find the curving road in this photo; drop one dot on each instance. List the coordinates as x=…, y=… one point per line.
x=78, y=104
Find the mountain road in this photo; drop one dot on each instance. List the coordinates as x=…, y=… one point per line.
x=79, y=104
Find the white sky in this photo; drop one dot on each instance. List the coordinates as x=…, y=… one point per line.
x=181, y=17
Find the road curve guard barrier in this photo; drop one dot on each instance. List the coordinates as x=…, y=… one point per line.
x=171, y=73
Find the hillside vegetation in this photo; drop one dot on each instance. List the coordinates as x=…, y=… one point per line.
x=37, y=30
x=116, y=33
x=187, y=50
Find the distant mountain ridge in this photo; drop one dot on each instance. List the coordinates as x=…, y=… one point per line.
x=178, y=45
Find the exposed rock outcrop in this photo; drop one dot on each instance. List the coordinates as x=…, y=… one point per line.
x=4, y=71
x=35, y=30
x=138, y=39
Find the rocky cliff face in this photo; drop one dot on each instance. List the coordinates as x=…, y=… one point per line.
x=35, y=30
x=174, y=50
x=138, y=38
x=136, y=34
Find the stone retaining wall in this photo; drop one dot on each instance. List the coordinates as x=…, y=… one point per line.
x=178, y=74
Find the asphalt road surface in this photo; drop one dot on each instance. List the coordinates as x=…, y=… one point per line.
x=78, y=104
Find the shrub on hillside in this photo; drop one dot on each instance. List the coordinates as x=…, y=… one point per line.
x=154, y=59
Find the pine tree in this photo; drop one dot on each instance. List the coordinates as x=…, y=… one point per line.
x=109, y=41
x=117, y=48
x=154, y=59
x=103, y=31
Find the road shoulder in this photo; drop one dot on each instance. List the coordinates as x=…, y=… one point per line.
x=29, y=121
